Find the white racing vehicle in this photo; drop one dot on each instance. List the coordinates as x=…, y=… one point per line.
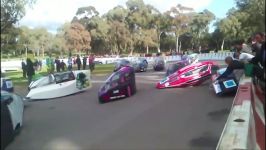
x=12, y=108
x=59, y=85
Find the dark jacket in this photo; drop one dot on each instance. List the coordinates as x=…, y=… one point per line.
x=30, y=69
x=23, y=64
x=259, y=58
x=78, y=61
x=231, y=67
x=84, y=60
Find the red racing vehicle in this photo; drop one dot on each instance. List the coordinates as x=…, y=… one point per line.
x=190, y=75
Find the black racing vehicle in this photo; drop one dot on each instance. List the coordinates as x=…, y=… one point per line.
x=140, y=64
x=119, y=85
x=159, y=64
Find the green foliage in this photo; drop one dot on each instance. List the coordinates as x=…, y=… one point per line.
x=138, y=27
x=12, y=11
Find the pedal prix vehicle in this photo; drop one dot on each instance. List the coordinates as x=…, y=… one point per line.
x=121, y=63
x=158, y=64
x=59, y=84
x=12, y=108
x=224, y=86
x=174, y=66
x=119, y=85
x=190, y=75
x=7, y=84
x=140, y=64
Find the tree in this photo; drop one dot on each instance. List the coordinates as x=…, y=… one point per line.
x=199, y=25
x=179, y=17
x=12, y=11
x=77, y=37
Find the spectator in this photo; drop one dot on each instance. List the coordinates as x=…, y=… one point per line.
x=30, y=70
x=35, y=65
x=62, y=65
x=40, y=64
x=241, y=52
x=91, y=62
x=78, y=61
x=84, y=62
x=57, y=62
x=50, y=64
x=259, y=59
x=69, y=61
x=24, y=68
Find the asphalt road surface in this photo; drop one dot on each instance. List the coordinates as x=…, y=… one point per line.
x=178, y=119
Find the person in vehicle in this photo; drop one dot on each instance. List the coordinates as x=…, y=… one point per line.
x=232, y=65
x=30, y=70
x=78, y=61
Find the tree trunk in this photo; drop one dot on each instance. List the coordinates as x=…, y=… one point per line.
x=180, y=46
x=177, y=40
x=222, y=46
x=42, y=51
x=147, y=49
x=159, y=43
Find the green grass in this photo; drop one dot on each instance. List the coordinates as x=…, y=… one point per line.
x=17, y=76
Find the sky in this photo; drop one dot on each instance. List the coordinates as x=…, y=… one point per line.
x=51, y=14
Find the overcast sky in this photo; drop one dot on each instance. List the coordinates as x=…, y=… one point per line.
x=53, y=13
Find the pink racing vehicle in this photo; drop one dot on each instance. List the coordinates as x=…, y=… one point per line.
x=190, y=75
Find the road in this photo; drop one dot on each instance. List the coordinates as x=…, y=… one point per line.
x=179, y=118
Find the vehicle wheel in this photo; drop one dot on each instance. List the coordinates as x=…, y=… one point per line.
x=17, y=129
x=101, y=101
x=129, y=91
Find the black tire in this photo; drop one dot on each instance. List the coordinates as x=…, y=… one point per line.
x=129, y=91
x=101, y=101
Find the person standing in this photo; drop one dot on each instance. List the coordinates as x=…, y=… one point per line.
x=91, y=62
x=40, y=64
x=78, y=61
x=30, y=70
x=69, y=62
x=259, y=59
x=62, y=65
x=50, y=64
x=24, y=68
x=57, y=63
x=84, y=62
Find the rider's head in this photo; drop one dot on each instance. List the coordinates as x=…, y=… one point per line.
x=228, y=60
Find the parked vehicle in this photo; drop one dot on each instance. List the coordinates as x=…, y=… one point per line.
x=12, y=108
x=119, y=85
